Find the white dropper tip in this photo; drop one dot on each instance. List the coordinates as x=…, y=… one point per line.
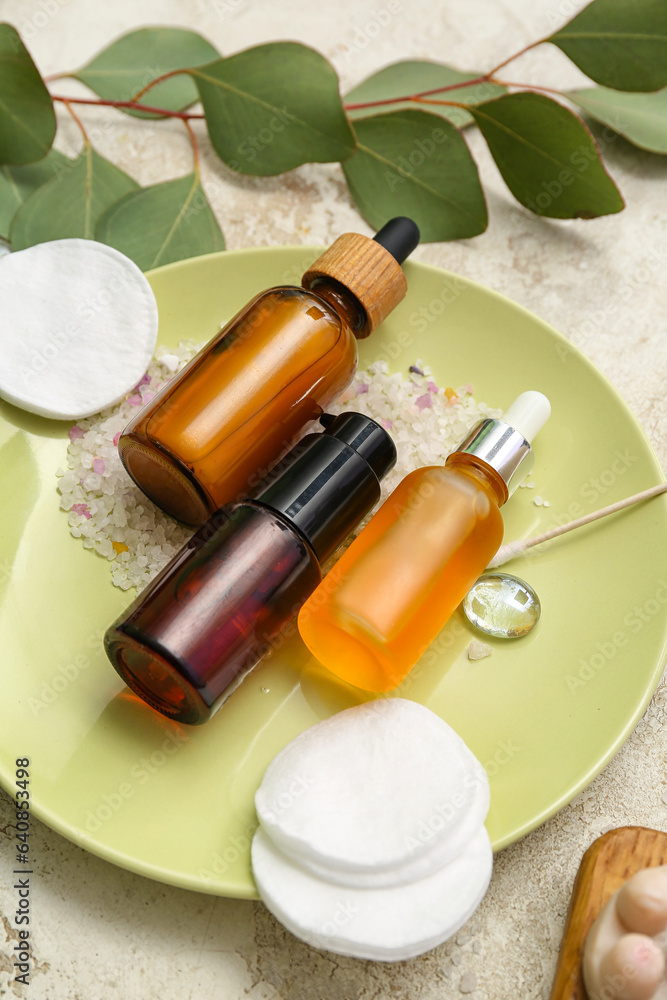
x=528, y=413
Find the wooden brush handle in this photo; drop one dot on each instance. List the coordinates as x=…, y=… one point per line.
x=609, y=862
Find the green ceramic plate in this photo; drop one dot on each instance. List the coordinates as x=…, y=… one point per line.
x=544, y=713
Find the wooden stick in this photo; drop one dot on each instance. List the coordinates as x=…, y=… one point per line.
x=514, y=549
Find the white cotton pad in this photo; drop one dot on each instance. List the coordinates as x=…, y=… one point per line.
x=78, y=325
x=386, y=925
x=378, y=795
x=443, y=839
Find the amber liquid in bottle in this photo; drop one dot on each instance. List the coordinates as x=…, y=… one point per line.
x=394, y=588
x=211, y=434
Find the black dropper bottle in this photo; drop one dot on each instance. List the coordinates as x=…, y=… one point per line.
x=189, y=639
x=276, y=365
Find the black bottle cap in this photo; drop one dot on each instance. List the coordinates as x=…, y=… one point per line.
x=328, y=482
x=366, y=437
x=399, y=236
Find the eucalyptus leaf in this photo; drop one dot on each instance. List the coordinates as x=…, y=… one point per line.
x=162, y=223
x=18, y=183
x=128, y=64
x=618, y=43
x=71, y=203
x=273, y=107
x=413, y=76
x=416, y=164
x=640, y=118
x=547, y=157
x=27, y=118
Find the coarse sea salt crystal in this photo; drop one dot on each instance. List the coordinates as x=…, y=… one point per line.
x=122, y=525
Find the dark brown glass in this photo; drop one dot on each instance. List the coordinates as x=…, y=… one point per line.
x=240, y=578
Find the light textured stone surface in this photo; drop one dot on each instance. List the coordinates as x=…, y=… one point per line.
x=101, y=932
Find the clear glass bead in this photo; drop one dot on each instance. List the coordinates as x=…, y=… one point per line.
x=502, y=605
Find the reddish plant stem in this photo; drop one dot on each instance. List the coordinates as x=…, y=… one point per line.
x=195, y=147
x=501, y=83
x=78, y=121
x=529, y=86
x=184, y=115
x=447, y=104
x=484, y=78
x=419, y=98
x=416, y=97
x=516, y=55
x=423, y=98
x=154, y=83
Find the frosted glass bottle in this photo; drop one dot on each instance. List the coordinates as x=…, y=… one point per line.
x=405, y=574
x=391, y=592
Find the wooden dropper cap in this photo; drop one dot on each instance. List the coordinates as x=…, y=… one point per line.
x=369, y=268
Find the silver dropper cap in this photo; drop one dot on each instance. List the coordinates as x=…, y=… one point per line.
x=504, y=443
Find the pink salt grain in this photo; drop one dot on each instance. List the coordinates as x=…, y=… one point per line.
x=135, y=400
x=75, y=433
x=424, y=402
x=82, y=509
x=431, y=386
x=144, y=380
x=98, y=466
x=116, y=438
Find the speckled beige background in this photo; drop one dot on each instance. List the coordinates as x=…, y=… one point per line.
x=101, y=932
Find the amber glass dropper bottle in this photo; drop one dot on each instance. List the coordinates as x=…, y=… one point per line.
x=212, y=433
x=391, y=592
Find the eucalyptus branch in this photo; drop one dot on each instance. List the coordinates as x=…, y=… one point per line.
x=278, y=106
x=483, y=78
x=419, y=98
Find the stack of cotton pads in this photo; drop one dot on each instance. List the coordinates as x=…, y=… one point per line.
x=371, y=840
